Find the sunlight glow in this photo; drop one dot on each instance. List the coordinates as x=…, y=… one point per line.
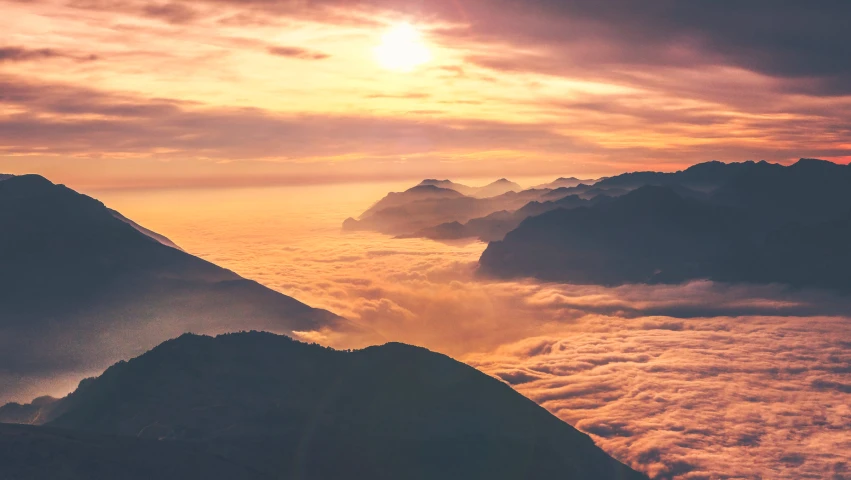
x=402, y=49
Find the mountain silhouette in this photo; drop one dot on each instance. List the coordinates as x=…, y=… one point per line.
x=496, y=225
x=81, y=288
x=809, y=191
x=403, y=214
x=655, y=235
x=150, y=233
x=41, y=453
x=567, y=182
x=650, y=235
x=754, y=222
x=293, y=410
x=496, y=188
x=463, y=189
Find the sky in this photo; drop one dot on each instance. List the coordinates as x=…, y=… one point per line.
x=141, y=93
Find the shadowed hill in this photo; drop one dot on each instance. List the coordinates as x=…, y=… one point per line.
x=38, y=453
x=305, y=411
x=80, y=288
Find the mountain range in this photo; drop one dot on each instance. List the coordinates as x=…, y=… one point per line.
x=750, y=222
x=493, y=189
x=424, y=206
x=258, y=405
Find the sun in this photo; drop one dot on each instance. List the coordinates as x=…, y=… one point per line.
x=402, y=49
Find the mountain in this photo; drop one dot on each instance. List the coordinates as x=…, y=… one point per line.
x=809, y=191
x=150, y=233
x=463, y=189
x=424, y=206
x=495, y=225
x=39, y=453
x=28, y=414
x=293, y=410
x=81, y=288
x=566, y=182
x=496, y=188
x=654, y=235
x=587, y=192
x=651, y=235
x=705, y=176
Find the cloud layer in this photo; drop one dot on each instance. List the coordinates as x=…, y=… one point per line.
x=692, y=381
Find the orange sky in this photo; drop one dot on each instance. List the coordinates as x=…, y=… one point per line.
x=142, y=93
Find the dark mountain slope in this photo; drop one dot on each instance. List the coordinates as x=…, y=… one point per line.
x=80, y=289
x=703, y=176
x=810, y=191
x=649, y=235
x=39, y=453
x=304, y=411
x=566, y=182
x=653, y=235
x=156, y=236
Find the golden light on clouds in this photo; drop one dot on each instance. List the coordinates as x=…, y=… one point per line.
x=402, y=49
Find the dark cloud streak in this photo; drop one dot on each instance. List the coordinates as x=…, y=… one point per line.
x=296, y=52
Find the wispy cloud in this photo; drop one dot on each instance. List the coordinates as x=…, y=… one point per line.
x=295, y=52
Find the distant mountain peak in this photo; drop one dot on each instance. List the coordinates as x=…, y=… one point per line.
x=429, y=188
x=813, y=163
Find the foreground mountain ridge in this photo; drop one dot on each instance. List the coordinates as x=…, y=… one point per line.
x=284, y=408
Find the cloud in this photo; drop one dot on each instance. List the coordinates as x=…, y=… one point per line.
x=296, y=52
x=170, y=12
x=10, y=54
x=724, y=397
x=689, y=381
x=79, y=120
